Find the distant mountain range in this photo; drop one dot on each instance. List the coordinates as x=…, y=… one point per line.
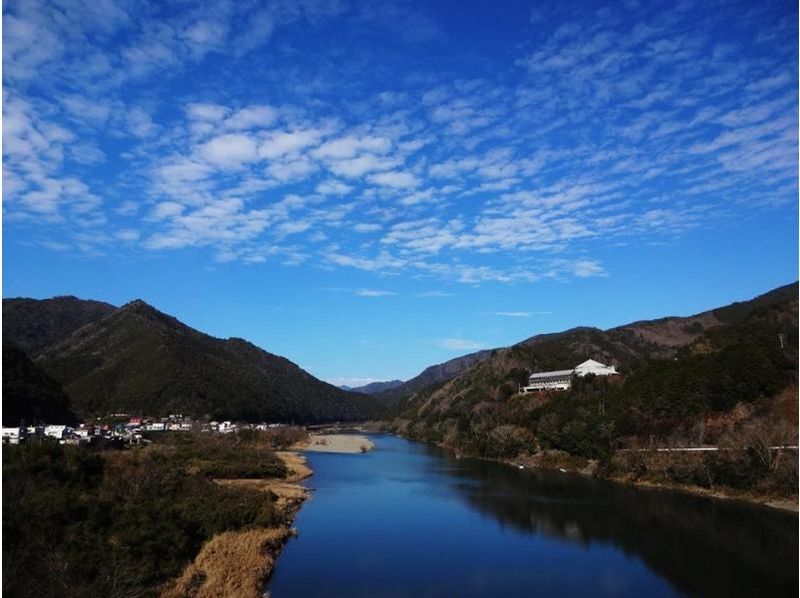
x=389, y=393
x=431, y=375
x=373, y=387
x=136, y=359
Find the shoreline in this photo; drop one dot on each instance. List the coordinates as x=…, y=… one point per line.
x=787, y=505
x=240, y=562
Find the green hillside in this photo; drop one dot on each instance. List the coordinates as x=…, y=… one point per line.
x=136, y=359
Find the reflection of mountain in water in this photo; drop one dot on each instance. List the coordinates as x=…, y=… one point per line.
x=702, y=546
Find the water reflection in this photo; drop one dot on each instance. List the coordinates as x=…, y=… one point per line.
x=702, y=546
x=410, y=520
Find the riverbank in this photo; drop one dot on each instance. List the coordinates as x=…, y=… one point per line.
x=559, y=461
x=652, y=471
x=336, y=443
x=238, y=563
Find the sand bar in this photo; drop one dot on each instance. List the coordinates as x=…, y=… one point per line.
x=338, y=443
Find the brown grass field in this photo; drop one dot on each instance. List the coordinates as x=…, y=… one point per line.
x=238, y=563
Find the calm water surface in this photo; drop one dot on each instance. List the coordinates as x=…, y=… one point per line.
x=411, y=520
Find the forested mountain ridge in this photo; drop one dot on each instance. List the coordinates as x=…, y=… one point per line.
x=34, y=324
x=136, y=359
x=678, y=375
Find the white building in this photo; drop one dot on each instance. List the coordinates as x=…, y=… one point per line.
x=562, y=379
x=14, y=435
x=57, y=432
x=557, y=380
x=590, y=366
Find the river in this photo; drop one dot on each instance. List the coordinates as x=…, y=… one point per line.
x=409, y=519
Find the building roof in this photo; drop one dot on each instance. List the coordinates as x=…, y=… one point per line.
x=591, y=363
x=551, y=374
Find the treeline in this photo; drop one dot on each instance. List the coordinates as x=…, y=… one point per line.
x=78, y=522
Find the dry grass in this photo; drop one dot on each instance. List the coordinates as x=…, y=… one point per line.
x=296, y=464
x=231, y=564
x=238, y=563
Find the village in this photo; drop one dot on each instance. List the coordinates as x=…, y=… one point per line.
x=121, y=428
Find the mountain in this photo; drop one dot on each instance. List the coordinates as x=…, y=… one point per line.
x=431, y=375
x=374, y=387
x=36, y=324
x=136, y=359
x=29, y=394
x=676, y=373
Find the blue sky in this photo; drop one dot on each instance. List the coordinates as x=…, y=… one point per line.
x=369, y=188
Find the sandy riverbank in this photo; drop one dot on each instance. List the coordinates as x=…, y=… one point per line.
x=337, y=443
x=238, y=563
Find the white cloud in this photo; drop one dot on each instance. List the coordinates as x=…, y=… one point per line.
x=250, y=117
x=372, y=293
x=291, y=169
x=398, y=180
x=128, y=235
x=167, y=209
x=205, y=35
x=140, y=124
x=333, y=187
x=87, y=108
x=292, y=228
x=357, y=167
x=513, y=314
x=460, y=344
x=587, y=269
x=350, y=146
x=230, y=150
x=364, y=227
x=206, y=112
x=280, y=143
x=384, y=261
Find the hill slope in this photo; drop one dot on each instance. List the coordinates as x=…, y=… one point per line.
x=34, y=324
x=431, y=375
x=29, y=394
x=676, y=372
x=136, y=359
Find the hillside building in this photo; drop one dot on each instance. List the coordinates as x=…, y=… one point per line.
x=557, y=380
x=562, y=379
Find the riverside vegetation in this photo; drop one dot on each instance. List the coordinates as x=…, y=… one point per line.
x=81, y=522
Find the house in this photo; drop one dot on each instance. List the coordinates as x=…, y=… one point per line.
x=57, y=432
x=14, y=435
x=562, y=379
